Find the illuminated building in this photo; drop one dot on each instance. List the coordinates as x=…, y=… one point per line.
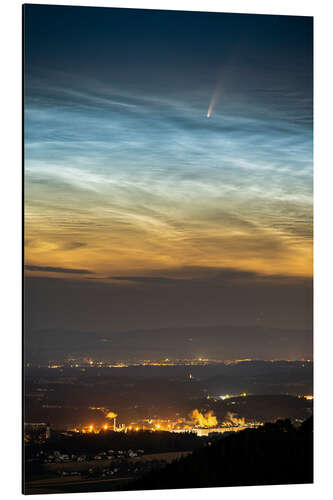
x=42, y=429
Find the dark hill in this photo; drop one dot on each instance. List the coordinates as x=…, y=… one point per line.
x=273, y=454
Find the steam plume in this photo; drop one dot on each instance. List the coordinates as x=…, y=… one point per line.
x=207, y=420
x=234, y=420
x=111, y=415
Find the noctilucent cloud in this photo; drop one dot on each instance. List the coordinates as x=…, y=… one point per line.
x=167, y=146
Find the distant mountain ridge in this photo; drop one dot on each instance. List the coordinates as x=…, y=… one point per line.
x=214, y=342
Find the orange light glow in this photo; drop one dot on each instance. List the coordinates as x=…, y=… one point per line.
x=111, y=415
x=207, y=420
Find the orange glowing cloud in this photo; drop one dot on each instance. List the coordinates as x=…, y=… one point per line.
x=204, y=420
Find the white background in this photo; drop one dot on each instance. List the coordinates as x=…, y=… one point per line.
x=10, y=246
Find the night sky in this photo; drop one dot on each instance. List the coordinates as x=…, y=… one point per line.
x=143, y=213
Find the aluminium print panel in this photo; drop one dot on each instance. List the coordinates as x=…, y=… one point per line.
x=168, y=249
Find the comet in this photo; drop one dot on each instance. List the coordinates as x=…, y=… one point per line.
x=214, y=99
x=217, y=91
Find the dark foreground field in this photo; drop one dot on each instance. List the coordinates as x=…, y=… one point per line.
x=75, y=485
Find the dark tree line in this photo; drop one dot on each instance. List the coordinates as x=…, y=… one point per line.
x=276, y=453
